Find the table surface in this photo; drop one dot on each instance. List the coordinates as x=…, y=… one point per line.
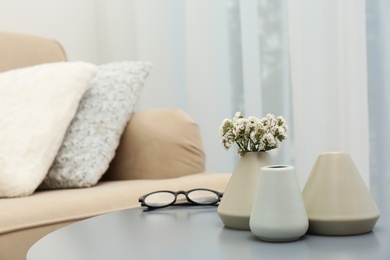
x=196, y=233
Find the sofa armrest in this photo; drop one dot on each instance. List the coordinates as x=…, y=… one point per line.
x=158, y=144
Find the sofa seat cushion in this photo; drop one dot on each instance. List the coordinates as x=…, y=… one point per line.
x=58, y=206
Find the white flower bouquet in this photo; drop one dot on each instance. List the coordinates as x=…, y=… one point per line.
x=253, y=134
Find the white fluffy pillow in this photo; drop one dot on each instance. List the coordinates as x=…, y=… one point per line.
x=95, y=132
x=37, y=105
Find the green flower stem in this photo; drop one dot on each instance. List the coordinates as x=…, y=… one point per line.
x=241, y=146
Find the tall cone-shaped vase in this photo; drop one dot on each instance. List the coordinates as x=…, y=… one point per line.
x=336, y=198
x=236, y=205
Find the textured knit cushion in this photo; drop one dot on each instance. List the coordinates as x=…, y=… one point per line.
x=94, y=133
x=37, y=105
x=157, y=144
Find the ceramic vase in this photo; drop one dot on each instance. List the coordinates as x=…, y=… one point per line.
x=236, y=204
x=278, y=213
x=336, y=198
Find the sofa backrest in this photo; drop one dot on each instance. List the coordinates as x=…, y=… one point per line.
x=20, y=50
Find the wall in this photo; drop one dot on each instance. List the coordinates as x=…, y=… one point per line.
x=71, y=22
x=84, y=28
x=115, y=30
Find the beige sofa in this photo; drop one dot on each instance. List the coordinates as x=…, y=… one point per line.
x=177, y=162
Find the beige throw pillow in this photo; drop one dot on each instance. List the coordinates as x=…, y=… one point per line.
x=156, y=144
x=36, y=106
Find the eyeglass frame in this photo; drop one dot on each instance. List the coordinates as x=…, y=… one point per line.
x=176, y=193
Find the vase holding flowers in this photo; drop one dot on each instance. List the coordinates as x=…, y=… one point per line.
x=253, y=137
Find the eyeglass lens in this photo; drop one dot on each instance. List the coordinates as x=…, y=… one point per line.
x=203, y=196
x=159, y=199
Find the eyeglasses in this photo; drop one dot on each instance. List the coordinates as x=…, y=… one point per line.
x=165, y=198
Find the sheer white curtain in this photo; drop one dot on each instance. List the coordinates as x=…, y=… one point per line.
x=329, y=79
x=188, y=43
x=303, y=59
x=310, y=58
x=378, y=39
x=265, y=65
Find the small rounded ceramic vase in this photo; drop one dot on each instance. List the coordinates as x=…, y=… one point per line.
x=278, y=213
x=236, y=204
x=336, y=198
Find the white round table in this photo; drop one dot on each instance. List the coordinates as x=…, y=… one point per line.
x=195, y=233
